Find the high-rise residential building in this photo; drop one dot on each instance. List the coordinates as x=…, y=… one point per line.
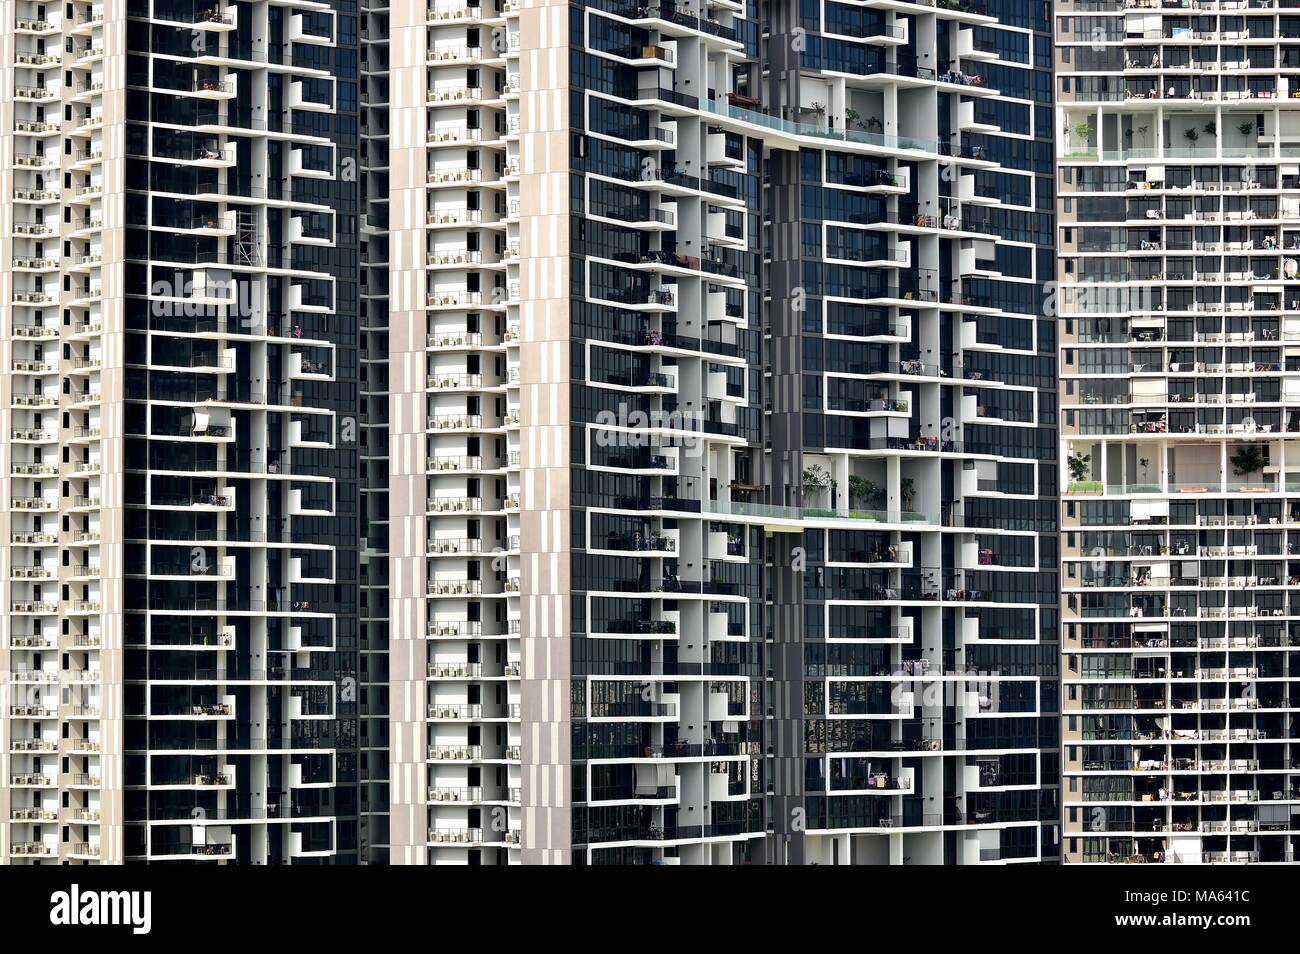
x=530, y=432
x=178, y=317
x=720, y=431
x=1179, y=231
x=912, y=396
x=373, y=350
x=453, y=132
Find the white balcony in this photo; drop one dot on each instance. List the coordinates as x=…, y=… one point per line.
x=299, y=164
x=300, y=300
x=299, y=235
x=969, y=121
x=307, y=29
x=300, y=98
x=214, y=156
x=303, y=368
x=966, y=48
x=226, y=87
x=719, y=310
x=299, y=507
x=717, y=153
x=967, y=195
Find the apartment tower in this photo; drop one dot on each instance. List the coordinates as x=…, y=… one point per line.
x=720, y=432
x=529, y=432
x=1179, y=233
x=178, y=326
x=373, y=351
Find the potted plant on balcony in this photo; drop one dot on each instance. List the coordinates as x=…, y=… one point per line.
x=907, y=490
x=1191, y=136
x=1246, y=127
x=1079, y=465
x=1083, y=137
x=815, y=478
x=1247, y=460
x=866, y=493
